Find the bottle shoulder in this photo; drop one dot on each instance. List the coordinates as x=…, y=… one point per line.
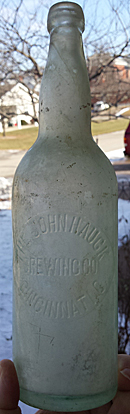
x=65, y=168
x=49, y=154
x=79, y=182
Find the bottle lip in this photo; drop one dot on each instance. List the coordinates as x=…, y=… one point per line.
x=65, y=13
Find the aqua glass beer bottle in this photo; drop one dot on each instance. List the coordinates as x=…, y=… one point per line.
x=64, y=212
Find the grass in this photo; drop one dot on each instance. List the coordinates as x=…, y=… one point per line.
x=21, y=139
x=24, y=138
x=105, y=127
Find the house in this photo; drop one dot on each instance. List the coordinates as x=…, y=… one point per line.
x=109, y=79
x=19, y=103
x=123, y=67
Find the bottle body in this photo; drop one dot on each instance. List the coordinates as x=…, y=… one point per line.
x=65, y=257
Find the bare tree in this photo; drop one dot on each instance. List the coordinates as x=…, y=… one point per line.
x=108, y=39
x=112, y=85
x=18, y=103
x=23, y=47
x=24, y=42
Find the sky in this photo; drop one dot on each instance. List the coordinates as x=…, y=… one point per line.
x=105, y=21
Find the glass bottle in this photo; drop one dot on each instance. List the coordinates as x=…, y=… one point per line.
x=65, y=240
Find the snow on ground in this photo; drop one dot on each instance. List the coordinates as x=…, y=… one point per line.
x=116, y=155
x=6, y=261
x=6, y=292
x=123, y=221
x=5, y=193
x=122, y=111
x=5, y=284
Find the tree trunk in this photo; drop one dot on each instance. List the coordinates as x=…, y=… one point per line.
x=3, y=126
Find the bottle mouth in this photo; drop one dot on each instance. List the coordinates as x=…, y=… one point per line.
x=65, y=13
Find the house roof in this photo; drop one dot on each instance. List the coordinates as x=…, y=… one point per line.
x=6, y=87
x=26, y=83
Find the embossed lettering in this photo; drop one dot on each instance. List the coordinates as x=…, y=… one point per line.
x=62, y=223
x=34, y=230
x=101, y=254
x=43, y=225
x=75, y=267
x=90, y=266
x=38, y=304
x=33, y=266
x=32, y=298
x=78, y=270
x=57, y=267
x=24, y=287
x=63, y=267
x=64, y=310
x=92, y=235
x=39, y=266
x=75, y=308
x=52, y=222
x=49, y=266
x=53, y=309
x=20, y=244
x=99, y=243
x=81, y=300
x=84, y=231
x=75, y=225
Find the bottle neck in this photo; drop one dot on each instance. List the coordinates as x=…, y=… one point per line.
x=65, y=95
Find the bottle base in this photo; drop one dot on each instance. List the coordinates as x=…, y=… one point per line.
x=66, y=403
